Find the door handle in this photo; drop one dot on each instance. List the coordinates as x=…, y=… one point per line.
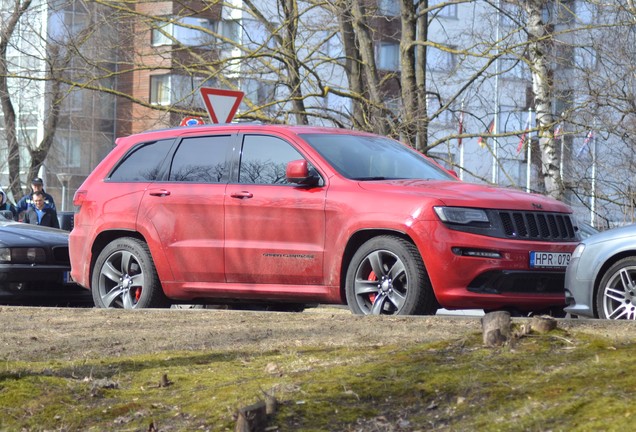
x=241, y=194
x=159, y=193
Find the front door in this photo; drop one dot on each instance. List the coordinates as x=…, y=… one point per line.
x=274, y=230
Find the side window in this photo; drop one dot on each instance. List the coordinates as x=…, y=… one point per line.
x=142, y=163
x=201, y=160
x=264, y=160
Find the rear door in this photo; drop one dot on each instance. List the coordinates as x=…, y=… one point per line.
x=274, y=231
x=186, y=211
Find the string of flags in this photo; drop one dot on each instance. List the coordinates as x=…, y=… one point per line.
x=558, y=134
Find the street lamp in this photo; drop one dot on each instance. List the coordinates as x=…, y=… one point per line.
x=64, y=178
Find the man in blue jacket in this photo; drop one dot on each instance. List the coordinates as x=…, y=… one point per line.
x=39, y=214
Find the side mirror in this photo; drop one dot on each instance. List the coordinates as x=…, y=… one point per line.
x=298, y=172
x=6, y=214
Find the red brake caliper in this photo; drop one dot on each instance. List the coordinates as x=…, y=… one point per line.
x=372, y=277
x=137, y=294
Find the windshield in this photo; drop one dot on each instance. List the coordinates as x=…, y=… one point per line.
x=360, y=157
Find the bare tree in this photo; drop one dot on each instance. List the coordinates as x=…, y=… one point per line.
x=11, y=134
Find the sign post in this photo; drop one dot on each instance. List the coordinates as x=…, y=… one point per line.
x=221, y=104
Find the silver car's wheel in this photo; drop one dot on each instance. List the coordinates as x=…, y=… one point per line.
x=387, y=277
x=616, y=296
x=124, y=276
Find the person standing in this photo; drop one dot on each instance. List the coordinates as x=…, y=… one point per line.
x=37, y=185
x=6, y=205
x=39, y=214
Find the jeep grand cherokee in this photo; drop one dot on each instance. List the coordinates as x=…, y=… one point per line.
x=246, y=213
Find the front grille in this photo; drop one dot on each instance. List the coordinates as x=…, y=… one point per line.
x=537, y=226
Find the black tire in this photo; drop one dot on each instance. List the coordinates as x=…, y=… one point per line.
x=616, y=294
x=387, y=276
x=124, y=276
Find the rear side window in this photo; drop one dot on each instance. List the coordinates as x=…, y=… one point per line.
x=142, y=163
x=201, y=160
x=264, y=160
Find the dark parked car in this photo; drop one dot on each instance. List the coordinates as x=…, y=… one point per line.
x=35, y=266
x=600, y=281
x=290, y=214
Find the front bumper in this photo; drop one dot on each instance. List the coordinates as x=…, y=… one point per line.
x=35, y=274
x=578, y=293
x=505, y=281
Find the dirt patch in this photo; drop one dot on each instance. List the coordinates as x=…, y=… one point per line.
x=30, y=333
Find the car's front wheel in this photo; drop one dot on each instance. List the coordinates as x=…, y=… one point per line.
x=387, y=276
x=124, y=276
x=616, y=296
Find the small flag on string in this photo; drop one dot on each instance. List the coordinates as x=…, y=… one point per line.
x=586, y=143
x=482, y=139
x=522, y=141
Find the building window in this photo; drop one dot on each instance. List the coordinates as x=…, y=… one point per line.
x=185, y=31
x=388, y=7
x=181, y=90
x=388, y=56
x=231, y=31
x=71, y=152
x=564, y=55
x=160, y=89
x=446, y=11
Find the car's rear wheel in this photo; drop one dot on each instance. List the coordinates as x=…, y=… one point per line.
x=616, y=296
x=124, y=276
x=387, y=276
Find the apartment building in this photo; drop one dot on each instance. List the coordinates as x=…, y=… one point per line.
x=161, y=52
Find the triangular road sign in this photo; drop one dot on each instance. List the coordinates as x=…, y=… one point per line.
x=221, y=104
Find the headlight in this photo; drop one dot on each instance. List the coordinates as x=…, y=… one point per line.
x=578, y=251
x=23, y=255
x=461, y=215
x=5, y=255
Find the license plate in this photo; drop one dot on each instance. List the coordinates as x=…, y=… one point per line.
x=549, y=259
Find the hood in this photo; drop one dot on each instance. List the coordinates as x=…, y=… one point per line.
x=18, y=234
x=463, y=194
x=3, y=196
x=628, y=231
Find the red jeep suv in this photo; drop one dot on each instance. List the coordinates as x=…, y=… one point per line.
x=293, y=215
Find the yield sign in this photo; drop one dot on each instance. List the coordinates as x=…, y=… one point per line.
x=221, y=104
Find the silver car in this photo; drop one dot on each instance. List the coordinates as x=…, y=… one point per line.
x=600, y=281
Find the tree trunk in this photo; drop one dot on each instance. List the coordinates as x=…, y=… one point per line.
x=5, y=99
x=421, y=78
x=352, y=65
x=538, y=45
x=377, y=122
x=408, y=81
x=290, y=29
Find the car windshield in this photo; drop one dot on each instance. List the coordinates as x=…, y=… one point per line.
x=362, y=157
